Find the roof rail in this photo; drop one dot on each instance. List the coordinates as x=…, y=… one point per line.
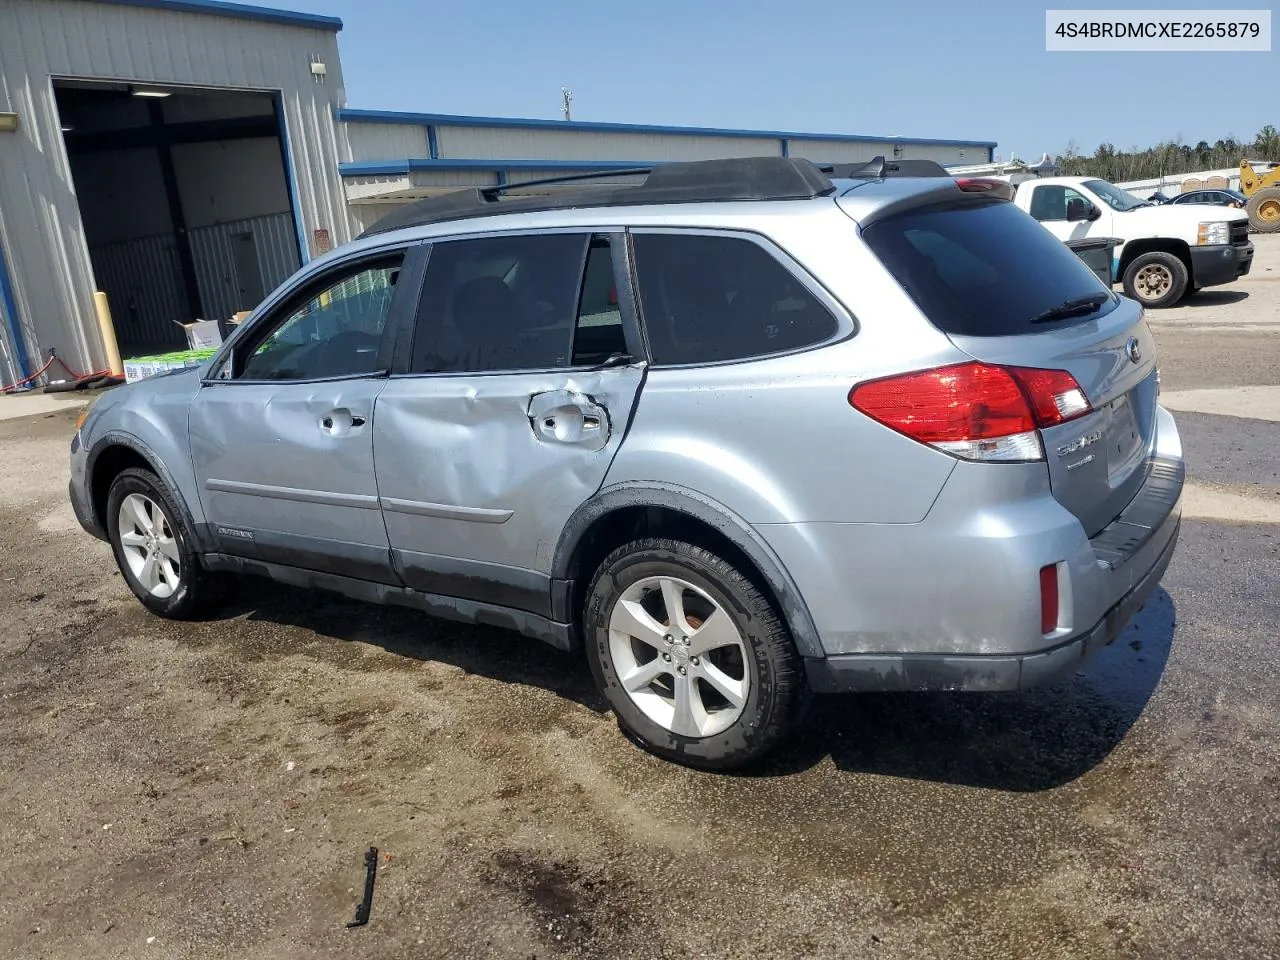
x=698, y=181
x=879, y=168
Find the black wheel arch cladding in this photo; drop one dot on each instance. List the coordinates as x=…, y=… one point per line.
x=778, y=583
x=150, y=461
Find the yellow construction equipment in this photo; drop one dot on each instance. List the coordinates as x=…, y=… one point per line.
x=1263, y=193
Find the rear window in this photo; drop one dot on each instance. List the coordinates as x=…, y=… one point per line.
x=982, y=268
x=714, y=298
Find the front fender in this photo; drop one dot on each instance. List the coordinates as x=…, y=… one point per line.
x=151, y=420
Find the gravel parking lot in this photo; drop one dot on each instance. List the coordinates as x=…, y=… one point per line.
x=209, y=790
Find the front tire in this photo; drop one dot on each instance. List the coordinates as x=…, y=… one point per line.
x=1156, y=279
x=693, y=659
x=154, y=550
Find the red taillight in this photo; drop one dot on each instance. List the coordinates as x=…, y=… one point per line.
x=977, y=411
x=1049, y=598
x=1054, y=394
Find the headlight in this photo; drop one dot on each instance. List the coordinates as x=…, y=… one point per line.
x=1213, y=233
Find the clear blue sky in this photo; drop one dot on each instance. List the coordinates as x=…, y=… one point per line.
x=954, y=70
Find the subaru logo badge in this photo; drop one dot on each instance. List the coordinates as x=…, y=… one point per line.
x=1133, y=349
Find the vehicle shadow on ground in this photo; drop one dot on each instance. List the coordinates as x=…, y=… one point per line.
x=1214, y=298
x=1036, y=740
x=498, y=654
x=1024, y=742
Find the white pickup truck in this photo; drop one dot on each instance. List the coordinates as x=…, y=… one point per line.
x=1164, y=252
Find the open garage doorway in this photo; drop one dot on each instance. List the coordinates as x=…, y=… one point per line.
x=185, y=200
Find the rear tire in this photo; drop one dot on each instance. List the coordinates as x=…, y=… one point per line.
x=1264, y=210
x=1156, y=279
x=154, y=549
x=721, y=700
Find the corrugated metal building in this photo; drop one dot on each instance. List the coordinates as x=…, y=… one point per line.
x=185, y=156
x=395, y=157
x=157, y=144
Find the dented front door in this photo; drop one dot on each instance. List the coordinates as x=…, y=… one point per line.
x=286, y=473
x=478, y=475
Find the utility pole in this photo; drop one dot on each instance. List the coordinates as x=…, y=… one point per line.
x=567, y=96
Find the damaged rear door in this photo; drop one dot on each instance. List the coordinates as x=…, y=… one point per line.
x=282, y=432
x=506, y=411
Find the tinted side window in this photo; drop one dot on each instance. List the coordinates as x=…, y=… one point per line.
x=335, y=331
x=499, y=303
x=983, y=268
x=1051, y=202
x=708, y=298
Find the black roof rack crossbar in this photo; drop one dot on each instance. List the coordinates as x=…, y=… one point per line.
x=697, y=181
x=879, y=168
x=500, y=188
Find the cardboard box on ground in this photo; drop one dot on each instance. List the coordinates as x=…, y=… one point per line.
x=203, y=339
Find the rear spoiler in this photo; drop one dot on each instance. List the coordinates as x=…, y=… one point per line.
x=1000, y=189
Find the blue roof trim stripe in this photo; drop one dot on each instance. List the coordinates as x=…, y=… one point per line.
x=381, y=168
x=237, y=11
x=350, y=115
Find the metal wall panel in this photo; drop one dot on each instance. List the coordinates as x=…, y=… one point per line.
x=39, y=218
x=515, y=143
x=143, y=284
x=277, y=251
x=387, y=141
x=847, y=151
x=838, y=151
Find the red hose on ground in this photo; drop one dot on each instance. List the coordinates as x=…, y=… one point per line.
x=14, y=387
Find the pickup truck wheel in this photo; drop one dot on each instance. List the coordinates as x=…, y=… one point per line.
x=1156, y=279
x=1264, y=210
x=154, y=550
x=693, y=659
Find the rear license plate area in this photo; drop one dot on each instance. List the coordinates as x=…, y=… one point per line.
x=1124, y=439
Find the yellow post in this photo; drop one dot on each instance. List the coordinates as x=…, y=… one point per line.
x=108, y=333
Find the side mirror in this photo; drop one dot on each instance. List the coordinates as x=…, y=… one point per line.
x=1094, y=212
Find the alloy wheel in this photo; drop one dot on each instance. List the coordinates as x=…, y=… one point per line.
x=149, y=546
x=679, y=656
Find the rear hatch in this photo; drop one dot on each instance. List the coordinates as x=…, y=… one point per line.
x=1007, y=292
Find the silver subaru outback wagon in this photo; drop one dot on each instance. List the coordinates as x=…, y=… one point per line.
x=742, y=431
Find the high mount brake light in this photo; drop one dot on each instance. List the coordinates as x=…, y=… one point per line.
x=993, y=188
x=975, y=411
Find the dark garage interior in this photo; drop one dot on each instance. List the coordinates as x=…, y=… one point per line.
x=185, y=203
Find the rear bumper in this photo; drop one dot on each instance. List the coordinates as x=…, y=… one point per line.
x=1214, y=265
x=866, y=673
x=953, y=602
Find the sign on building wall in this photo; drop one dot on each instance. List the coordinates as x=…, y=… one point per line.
x=321, y=242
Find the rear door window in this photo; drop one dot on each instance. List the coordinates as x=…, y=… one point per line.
x=708, y=298
x=984, y=268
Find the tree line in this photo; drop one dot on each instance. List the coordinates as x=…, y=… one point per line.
x=1168, y=159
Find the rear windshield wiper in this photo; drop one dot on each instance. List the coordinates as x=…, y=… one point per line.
x=1072, y=308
